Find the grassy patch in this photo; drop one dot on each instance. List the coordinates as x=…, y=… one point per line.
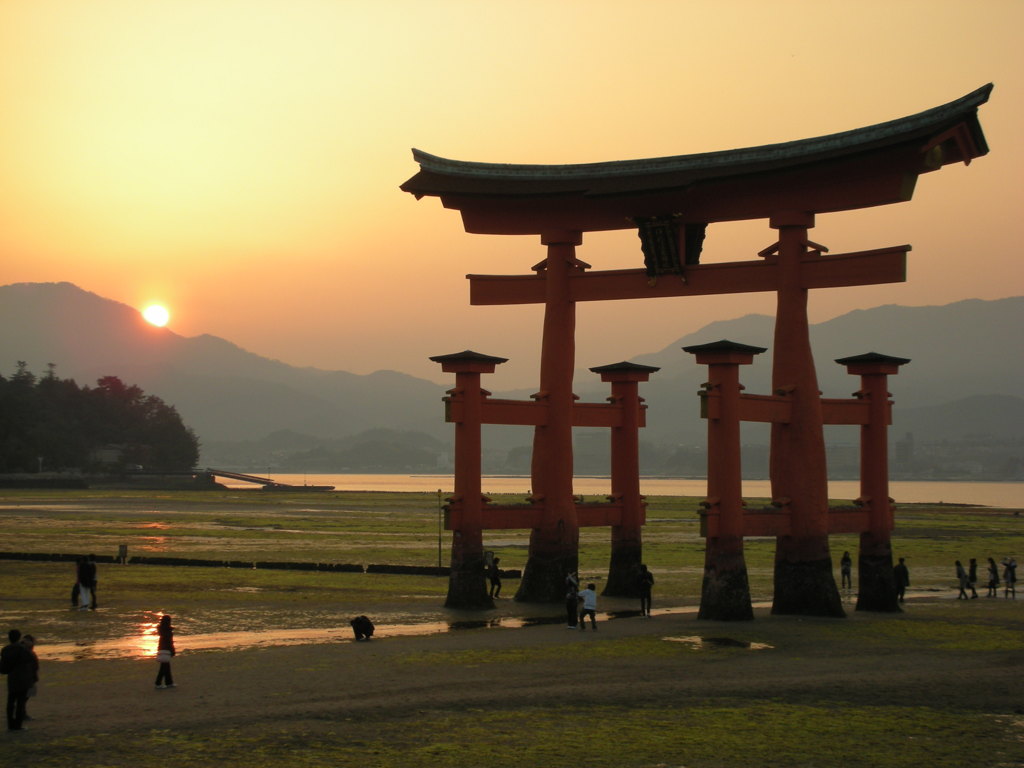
x=709, y=734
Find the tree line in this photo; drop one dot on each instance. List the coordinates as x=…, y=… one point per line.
x=53, y=424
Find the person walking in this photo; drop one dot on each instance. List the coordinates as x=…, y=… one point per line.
x=16, y=663
x=572, y=600
x=93, y=581
x=972, y=577
x=961, y=577
x=646, y=583
x=494, y=574
x=846, y=571
x=993, y=579
x=588, y=597
x=86, y=576
x=902, y=577
x=164, y=653
x=30, y=645
x=1010, y=577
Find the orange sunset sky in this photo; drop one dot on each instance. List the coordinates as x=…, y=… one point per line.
x=239, y=160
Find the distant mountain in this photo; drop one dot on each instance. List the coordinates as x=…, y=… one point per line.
x=957, y=351
x=220, y=390
x=965, y=380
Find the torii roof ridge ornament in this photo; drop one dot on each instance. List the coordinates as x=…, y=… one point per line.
x=882, y=160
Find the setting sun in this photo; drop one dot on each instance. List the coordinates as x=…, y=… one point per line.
x=156, y=314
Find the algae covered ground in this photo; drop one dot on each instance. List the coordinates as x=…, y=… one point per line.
x=939, y=684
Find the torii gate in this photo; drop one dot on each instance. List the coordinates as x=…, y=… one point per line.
x=671, y=202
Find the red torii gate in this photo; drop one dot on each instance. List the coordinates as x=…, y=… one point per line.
x=671, y=202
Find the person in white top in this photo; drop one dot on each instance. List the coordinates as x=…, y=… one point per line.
x=588, y=601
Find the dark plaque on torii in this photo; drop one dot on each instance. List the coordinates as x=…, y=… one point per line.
x=672, y=203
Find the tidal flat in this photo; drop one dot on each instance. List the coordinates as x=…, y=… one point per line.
x=939, y=684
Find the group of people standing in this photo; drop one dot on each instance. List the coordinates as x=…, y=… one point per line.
x=582, y=603
x=18, y=661
x=967, y=578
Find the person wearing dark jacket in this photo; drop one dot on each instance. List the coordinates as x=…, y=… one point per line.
x=17, y=663
x=165, y=652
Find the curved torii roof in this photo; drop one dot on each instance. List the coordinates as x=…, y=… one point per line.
x=861, y=168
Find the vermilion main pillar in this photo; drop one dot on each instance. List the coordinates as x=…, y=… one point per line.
x=804, y=583
x=554, y=544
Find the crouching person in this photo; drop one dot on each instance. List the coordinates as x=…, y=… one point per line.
x=362, y=627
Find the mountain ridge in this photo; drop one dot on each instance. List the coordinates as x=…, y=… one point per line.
x=227, y=395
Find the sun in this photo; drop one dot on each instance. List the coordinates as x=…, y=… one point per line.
x=156, y=314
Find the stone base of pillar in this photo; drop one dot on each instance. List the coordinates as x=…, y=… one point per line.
x=805, y=587
x=467, y=586
x=624, y=570
x=544, y=578
x=725, y=590
x=876, y=585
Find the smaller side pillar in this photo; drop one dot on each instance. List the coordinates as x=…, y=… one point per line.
x=725, y=590
x=627, y=545
x=464, y=405
x=876, y=585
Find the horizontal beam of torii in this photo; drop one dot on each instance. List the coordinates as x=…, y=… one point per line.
x=883, y=265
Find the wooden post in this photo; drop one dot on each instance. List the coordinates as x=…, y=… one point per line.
x=725, y=589
x=627, y=543
x=876, y=586
x=466, y=582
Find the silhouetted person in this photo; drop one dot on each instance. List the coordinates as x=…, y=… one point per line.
x=572, y=600
x=30, y=645
x=86, y=577
x=961, y=577
x=972, y=577
x=846, y=571
x=93, y=580
x=362, y=627
x=494, y=574
x=993, y=578
x=646, y=583
x=902, y=577
x=1010, y=577
x=165, y=652
x=16, y=663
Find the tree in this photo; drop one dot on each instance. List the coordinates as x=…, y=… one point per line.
x=53, y=423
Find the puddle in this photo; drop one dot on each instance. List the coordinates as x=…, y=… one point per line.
x=141, y=643
x=706, y=643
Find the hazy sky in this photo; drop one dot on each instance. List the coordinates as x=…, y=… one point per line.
x=239, y=160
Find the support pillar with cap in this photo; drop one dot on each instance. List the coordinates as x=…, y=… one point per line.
x=554, y=544
x=725, y=588
x=876, y=585
x=627, y=543
x=466, y=582
x=804, y=583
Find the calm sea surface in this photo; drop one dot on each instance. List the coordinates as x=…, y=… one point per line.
x=988, y=494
